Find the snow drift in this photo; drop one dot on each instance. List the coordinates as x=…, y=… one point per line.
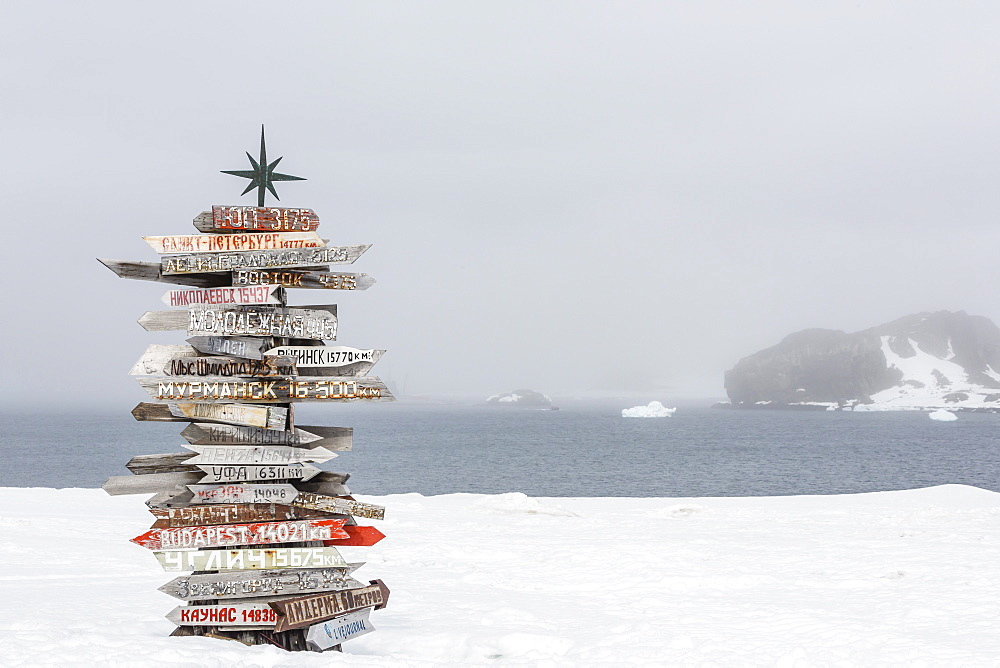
x=893, y=578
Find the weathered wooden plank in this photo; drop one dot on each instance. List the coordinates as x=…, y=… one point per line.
x=298, y=278
x=251, y=472
x=157, y=356
x=169, y=463
x=150, y=271
x=248, y=295
x=148, y=484
x=333, y=504
x=257, y=454
x=358, y=536
x=222, y=243
x=253, y=218
x=249, y=584
x=270, y=417
x=301, y=611
x=324, y=488
x=250, y=559
x=337, y=439
x=164, y=499
x=270, y=390
x=240, y=346
x=180, y=360
x=258, y=533
x=333, y=632
x=230, y=513
x=204, y=263
x=281, y=493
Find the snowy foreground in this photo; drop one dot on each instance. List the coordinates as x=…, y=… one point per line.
x=894, y=578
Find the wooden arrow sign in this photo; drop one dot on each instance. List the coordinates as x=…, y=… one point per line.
x=148, y=484
x=240, y=346
x=290, y=278
x=257, y=454
x=252, y=294
x=282, y=493
x=251, y=559
x=270, y=417
x=269, y=390
x=176, y=360
x=150, y=271
x=333, y=504
x=338, y=439
x=222, y=243
x=254, y=218
x=202, y=263
x=219, y=474
x=358, y=536
x=234, y=535
x=244, y=615
x=295, y=613
x=249, y=584
x=201, y=320
x=338, y=630
x=229, y=513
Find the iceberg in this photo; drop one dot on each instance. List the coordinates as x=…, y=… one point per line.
x=943, y=416
x=651, y=410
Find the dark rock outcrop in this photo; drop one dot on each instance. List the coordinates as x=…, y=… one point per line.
x=822, y=366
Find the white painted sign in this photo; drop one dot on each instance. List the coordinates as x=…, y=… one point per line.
x=335, y=631
x=326, y=356
x=257, y=454
x=250, y=559
x=229, y=473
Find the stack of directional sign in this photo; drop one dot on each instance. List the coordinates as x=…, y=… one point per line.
x=244, y=510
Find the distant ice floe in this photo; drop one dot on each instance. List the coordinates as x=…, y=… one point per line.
x=651, y=410
x=943, y=416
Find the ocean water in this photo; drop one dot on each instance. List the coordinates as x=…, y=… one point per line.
x=585, y=449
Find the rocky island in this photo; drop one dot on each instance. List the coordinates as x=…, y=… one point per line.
x=521, y=399
x=923, y=361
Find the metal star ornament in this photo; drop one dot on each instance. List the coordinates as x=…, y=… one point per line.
x=262, y=174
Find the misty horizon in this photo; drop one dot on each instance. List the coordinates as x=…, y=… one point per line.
x=584, y=199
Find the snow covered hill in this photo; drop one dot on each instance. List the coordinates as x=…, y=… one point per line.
x=920, y=362
x=892, y=578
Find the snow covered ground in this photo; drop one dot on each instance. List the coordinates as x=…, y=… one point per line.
x=893, y=578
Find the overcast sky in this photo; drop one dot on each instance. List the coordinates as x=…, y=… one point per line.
x=574, y=197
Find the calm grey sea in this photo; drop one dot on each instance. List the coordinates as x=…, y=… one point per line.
x=582, y=450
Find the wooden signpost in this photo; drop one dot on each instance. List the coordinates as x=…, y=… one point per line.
x=247, y=218
x=222, y=243
x=267, y=390
x=234, y=535
x=249, y=584
x=247, y=509
x=335, y=631
x=320, y=280
x=258, y=454
x=246, y=295
x=253, y=558
x=332, y=438
x=295, y=613
x=228, y=513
